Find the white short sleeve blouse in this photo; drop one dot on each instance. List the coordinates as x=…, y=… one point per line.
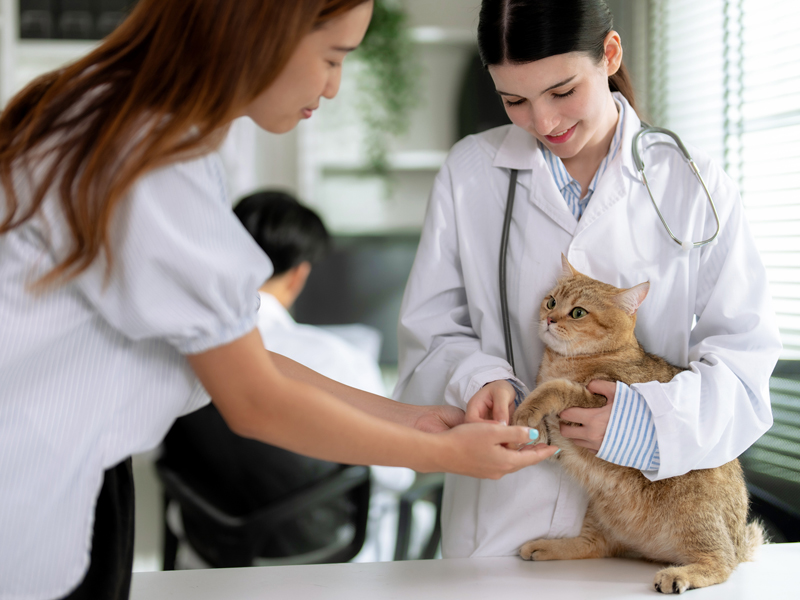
x=93, y=371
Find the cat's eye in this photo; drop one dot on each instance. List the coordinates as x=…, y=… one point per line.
x=578, y=312
x=551, y=303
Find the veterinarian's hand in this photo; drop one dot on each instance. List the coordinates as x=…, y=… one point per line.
x=494, y=402
x=435, y=419
x=590, y=424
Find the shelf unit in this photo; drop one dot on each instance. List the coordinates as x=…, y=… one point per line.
x=333, y=175
x=408, y=161
x=8, y=39
x=23, y=60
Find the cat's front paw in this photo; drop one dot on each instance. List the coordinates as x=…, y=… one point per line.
x=671, y=581
x=527, y=415
x=540, y=550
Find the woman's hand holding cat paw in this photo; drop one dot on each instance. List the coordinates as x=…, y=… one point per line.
x=489, y=451
x=586, y=427
x=494, y=402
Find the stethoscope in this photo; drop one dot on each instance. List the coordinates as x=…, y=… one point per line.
x=637, y=159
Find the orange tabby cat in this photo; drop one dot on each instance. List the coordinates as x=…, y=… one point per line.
x=695, y=522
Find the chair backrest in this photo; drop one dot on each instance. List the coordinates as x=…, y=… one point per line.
x=772, y=464
x=428, y=486
x=234, y=540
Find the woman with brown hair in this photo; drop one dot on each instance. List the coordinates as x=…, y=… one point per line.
x=122, y=288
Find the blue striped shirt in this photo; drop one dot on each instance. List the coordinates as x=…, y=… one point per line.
x=631, y=433
x=630, y=438
x=568, y=185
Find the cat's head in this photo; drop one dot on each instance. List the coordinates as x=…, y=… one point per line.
x=581, y=315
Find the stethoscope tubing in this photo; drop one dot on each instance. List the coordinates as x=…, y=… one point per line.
x=637, y=159
x=512, y=187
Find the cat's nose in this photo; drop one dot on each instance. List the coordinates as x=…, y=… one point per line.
x=550, y=320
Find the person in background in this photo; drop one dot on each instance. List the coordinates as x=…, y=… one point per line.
x=240, y=475
x=294, y=238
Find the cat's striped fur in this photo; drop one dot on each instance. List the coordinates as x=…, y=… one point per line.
x=696, y=522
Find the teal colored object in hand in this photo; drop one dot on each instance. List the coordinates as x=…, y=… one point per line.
x=534, y=435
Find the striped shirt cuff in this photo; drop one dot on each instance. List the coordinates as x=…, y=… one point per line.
x=521, y=392
x=630, y=439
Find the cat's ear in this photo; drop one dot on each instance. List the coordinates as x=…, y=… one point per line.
x=630, y=300
x=567, y=269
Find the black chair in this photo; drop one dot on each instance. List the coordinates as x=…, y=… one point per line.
x=772, y=465
x=430, y=487
x=234, y=540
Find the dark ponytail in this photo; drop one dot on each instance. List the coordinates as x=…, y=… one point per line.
x=522, y=31
x=621, y=82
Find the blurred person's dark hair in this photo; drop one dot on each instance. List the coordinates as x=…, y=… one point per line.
x=288, y=232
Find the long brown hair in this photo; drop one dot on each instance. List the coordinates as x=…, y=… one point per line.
x=163, y=86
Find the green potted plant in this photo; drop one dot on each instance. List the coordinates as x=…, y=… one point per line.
x=388, y=83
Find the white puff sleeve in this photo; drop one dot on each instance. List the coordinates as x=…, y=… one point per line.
x=183, y=267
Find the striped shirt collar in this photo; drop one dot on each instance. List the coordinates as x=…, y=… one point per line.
x=569, y=187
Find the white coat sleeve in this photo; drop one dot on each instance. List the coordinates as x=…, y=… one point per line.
x=440, y=353
x=713, y=412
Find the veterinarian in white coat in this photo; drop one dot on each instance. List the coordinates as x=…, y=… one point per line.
x=451, y=332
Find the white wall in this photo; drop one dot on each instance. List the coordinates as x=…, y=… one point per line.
x=444, y=13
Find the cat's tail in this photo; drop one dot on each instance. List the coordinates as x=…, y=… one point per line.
x=754, y=536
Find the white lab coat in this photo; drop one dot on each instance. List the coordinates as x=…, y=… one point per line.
x=451, y=334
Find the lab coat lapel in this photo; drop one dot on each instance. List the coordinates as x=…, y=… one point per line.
x=615, y=184
x=520, y=151
x=611, y=188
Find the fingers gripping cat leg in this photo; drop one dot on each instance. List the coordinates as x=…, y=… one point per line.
x=551, y=398
x=676, y=580
x=591, y=543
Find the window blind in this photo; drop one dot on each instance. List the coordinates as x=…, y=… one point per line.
x=725, y=75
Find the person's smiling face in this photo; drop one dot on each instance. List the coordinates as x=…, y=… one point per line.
x=313, y=72
x=563, y=100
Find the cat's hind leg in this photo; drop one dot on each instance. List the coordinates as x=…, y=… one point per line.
x=678, y=579
x=591, y=543
x=704, y=546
